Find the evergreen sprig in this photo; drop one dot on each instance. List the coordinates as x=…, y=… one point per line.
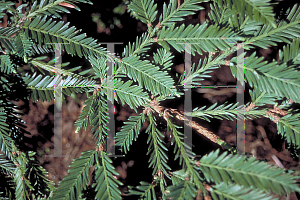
x=53, y=7
x=229, y=112
x=144, y=10
x=145, y=191
x=247, y=172
x=175, y=13
x=78, y=178
x=106, y=184
x=206, y=38
x=158, y=158
x=261, y=12
x=142, y=79
x=129, y=132
x=281, y=80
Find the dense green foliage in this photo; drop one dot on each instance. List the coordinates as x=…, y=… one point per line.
x=35, y=23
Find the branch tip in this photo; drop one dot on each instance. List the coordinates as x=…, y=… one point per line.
x=251, y=106
x=227, y=63
x=158, y=25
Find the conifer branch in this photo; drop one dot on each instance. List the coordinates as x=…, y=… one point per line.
x=158, y=158
x=53, y=69
x=106, y=184
x=166, y=112
x=183, y=151
x=229, y=176
x=50, y=32
x=286, y=30
x=259, y=174
x=145, y=190
x=261, y=12
x=173, y=13
x=72, y=185
x=51, y=7
x=144, y=10
x=130, y=131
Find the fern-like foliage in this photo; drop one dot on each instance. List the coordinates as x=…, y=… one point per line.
x=99, y=68
x=144, y=10
x=49, y=31
x=145, y=191
x=37, y=176
x=5, y=37
x=271, y=77
x=4, y=6
x=94, y=113
x=229, y=112
x=129, y=132
x=290, y=53
x=287, y=30
x=6, y=165
x=182, y=187
x=140, y=46
x=36, y=62
x=53, y=7
x=6, y=141
x=34, y=26
x=155, y=81
x=261, y=12
x=106, y=184
x=198, y=73
x=223, y=16
x=21, y=190
x=207, y=38
x=262, y=98
x=158, y=158
x=183, y=151
x=246, y=172
x=20, y=179
x=175, y=13
x=23, y=47
x=43, y=87
x=7, y=66
x=289, y=127
x=163, y=59
x=133, y=95
x=78, y=178
x=184, y=190
x=232, y=191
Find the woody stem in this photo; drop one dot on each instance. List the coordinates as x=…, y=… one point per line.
x=203, y=131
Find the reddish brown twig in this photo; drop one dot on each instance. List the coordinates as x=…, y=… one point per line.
x=278, y=111
x=250, y=107
x=166, y=112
